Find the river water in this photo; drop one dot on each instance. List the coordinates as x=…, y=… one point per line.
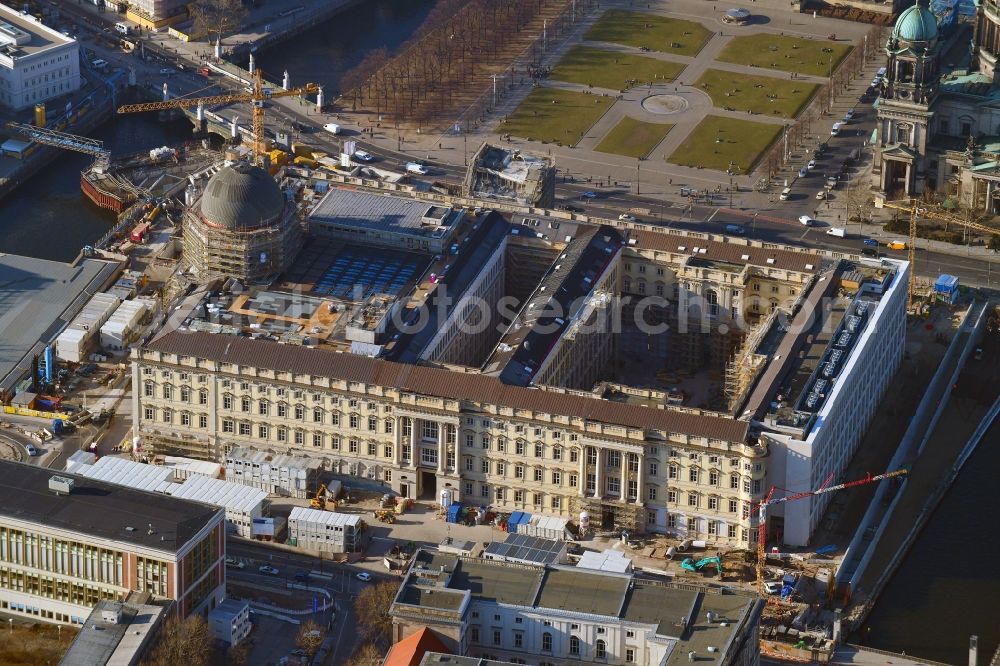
x=322, y=54
x=948, y=586
x=48, y=217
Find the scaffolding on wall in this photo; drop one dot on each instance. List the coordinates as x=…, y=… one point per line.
x=746, y=362
x=625, y=515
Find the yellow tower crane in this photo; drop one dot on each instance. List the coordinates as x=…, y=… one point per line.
x=913, y=207
x=257, y=96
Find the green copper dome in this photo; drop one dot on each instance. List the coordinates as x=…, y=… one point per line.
x=916, y=24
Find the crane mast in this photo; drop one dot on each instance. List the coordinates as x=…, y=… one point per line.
x=770, y=500
x=915, y=211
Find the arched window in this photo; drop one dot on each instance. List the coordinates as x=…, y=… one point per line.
x=600, y=650
x=546, y=642
x=574, y=645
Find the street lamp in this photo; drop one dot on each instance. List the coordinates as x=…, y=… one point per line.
x=637, y=163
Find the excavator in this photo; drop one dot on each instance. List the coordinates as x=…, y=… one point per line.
x=689, y=564
x=319, y=500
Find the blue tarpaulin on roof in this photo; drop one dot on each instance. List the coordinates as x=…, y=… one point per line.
x=946, y=283
x=514, y=519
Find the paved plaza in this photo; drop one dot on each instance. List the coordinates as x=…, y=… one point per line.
x=674, y=99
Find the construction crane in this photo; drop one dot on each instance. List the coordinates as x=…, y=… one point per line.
x=770, y=500
x=913, y=207
x=257, y=96
x=79, y=144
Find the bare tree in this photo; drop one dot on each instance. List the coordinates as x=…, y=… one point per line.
x=217, y=17
x=372, y=608
x=187, y=642
x=366, y=655
x=310, y=638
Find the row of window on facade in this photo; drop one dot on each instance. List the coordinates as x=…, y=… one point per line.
x=575, y=646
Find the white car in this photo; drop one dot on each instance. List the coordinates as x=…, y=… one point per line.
x=234, y=563
x=849, y=115
x=803, y=172
x=811, y=165
x=363, y=576
x=32, y=451
x=625, y=217
x=821, y=194
x=332, y=128
x=417, y=168
x=363, y=156
x=268, y=569
x=589, y=195
x=772, y=587
x=806, y=220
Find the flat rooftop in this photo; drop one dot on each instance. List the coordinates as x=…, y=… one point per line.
x=554, y=305
x=455, y=277
x=38, y=298
x=673, y=612
x=354, y=209
x=436, y=658
x=40, y=37
x=99, y=509
x=101, y=642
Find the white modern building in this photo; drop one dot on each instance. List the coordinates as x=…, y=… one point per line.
x=852, y=339
x=325, y=531
x=37, y=63
x=230, y=621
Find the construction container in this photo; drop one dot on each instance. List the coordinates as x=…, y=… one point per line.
x=545, y=527
x=124, y=326
x=325, y=531
x=276, y=474
x=73, y=343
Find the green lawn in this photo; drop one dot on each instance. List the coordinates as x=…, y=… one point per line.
x=739, y=141
x=563, y=122
x=657, y=33
x=608, y=69
x=633, y=138
x=788, y=54
x=765, y=95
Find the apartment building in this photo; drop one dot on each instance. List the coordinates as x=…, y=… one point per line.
x=68, y=542
x=422, y=429
x=557, y=614
x=37, y=63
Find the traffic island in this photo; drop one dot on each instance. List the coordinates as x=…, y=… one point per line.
x=761, y=95
x=726, y=144
x=553, y=115
x=633, y=138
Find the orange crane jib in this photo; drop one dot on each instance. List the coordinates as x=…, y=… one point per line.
x=258, y=95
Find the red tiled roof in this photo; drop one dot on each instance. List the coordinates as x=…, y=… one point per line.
x=438, y=382
x=410, y=650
